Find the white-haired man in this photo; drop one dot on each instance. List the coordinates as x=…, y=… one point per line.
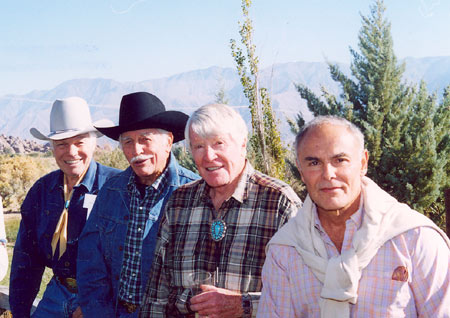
x=117, y=244
x=219, y=224
x=54, y=213
x=352, y=250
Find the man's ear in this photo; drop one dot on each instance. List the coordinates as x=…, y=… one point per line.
x=301, y=176
x=297, y=163
x=169, y=141
x=364, y=162
x=244, y=145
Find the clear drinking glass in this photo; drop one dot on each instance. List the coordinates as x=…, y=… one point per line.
x=198, y=278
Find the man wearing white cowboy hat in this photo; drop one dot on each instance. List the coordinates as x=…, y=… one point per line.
x=54, y=213
x=116, y=247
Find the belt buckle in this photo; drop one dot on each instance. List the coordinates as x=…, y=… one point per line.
x=131, y=308
x=71, y=284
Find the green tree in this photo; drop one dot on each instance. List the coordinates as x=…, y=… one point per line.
x=265, y=140
x=418, y=162
x=406, y=130
x=221, y=97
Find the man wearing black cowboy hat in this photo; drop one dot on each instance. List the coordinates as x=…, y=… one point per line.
x=117, y=246
x=54, y=213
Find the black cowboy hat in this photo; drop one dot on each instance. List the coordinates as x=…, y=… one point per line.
x=143, y=110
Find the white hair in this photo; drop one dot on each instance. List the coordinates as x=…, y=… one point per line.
x=331, y=120
x=160, y=130
x=216, y=119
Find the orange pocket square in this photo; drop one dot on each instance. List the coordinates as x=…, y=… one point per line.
x=400, y=274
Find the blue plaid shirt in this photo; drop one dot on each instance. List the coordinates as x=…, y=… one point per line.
x=141, y=219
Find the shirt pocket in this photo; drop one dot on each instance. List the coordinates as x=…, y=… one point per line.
x=107, y=232
x=387, y=297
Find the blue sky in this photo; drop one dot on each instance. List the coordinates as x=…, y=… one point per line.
x=43, y=43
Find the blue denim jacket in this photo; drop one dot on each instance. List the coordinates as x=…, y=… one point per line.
x=41, y=211
x=100, y=254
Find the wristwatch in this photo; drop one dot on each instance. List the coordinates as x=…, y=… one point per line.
x=247, y=305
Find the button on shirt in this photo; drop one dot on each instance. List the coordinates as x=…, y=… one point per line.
x=140, y=218
x=259, y=206
x=292, y=290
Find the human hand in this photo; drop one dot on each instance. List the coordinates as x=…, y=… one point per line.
x=216, y=302
x=77, y=313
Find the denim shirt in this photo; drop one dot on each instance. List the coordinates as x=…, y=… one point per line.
x=100, y=255
x=41, y=211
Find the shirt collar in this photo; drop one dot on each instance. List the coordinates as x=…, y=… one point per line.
x=160, y=183
x=241, y=191
x=89, y=178
x=358, y=215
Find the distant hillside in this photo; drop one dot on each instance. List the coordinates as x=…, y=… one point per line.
x=435, y=71
x=187, y=91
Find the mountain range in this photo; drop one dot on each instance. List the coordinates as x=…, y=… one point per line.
x=187, y=91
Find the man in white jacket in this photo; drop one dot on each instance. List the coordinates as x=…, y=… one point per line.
x=352, y=250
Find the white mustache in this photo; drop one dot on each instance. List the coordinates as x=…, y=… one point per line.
x=140, y=158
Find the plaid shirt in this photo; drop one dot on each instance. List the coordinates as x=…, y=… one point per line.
x=291, y=289
x=259, y=206
x=130, y=278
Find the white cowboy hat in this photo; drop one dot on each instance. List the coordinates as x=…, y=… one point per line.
x=70, y=117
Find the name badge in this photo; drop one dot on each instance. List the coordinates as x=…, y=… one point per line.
x=89, y=200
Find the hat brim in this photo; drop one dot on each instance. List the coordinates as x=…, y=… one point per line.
x=71, y=133
x=173, y=121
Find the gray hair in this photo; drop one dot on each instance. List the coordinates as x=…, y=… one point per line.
x=216, y=119
x=331, y=120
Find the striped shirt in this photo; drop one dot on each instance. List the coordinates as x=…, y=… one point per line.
x=259, y=206
x=408, y=277
x=130, y=278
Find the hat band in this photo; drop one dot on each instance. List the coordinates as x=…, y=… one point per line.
x=55, y=132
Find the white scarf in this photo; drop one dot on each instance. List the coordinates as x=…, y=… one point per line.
x=384, y=218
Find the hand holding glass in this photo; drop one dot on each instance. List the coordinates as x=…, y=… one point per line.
x=198, y=278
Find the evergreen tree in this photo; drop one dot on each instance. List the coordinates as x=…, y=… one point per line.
x=414, y=171
x=221, y=97
x=406, y=130
x=265, y=140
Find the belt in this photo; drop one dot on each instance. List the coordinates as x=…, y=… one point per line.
x=129, y=307
x=68, y=282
